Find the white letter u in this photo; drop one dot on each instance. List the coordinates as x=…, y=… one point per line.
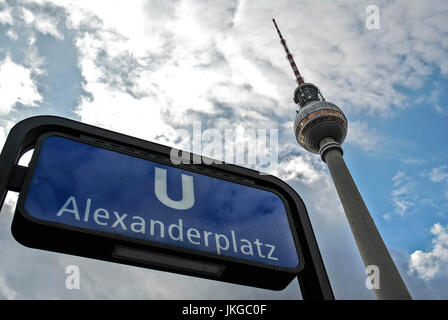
x=160, y=188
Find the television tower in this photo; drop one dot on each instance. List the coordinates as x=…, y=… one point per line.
x=320, y=127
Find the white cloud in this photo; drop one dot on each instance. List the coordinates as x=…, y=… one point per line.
x=402, y=205
x=307, y=174
x=403, y=196
x=122, y=109
x=440, y=110
x=401, y=190
x=115, y=107
x=16, y=85
x=432, y=263
x=439, y=174
x=172, y=93
x=300, y=168
x=360, y=135
x=48, y=25
x=357, y=68
x=397, y=178
x=39, y=20
x=434, y=99
x=12, y=35
x=27, y=16
x=6, y=292
x=141, y=34
x=413, y=161
x=34, y=61
x=5, y=16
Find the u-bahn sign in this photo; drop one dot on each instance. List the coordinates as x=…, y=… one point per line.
x=99, y=194
x=81, y=186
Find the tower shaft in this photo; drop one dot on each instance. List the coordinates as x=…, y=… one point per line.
x=370, y=244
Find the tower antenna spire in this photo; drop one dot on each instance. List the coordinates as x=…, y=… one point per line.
x=299, y=78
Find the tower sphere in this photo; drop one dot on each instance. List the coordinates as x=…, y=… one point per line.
x=318, y=120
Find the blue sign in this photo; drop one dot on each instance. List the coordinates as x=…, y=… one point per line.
x=93, y=188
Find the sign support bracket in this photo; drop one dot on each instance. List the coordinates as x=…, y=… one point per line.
x=17, y=178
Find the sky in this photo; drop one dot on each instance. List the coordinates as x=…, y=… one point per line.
x=149, y=68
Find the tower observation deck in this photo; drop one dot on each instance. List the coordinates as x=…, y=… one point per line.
x=316, y=118
x=321, y=127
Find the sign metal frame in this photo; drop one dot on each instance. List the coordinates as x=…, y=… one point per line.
x=311, y=272
x=33, y=238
